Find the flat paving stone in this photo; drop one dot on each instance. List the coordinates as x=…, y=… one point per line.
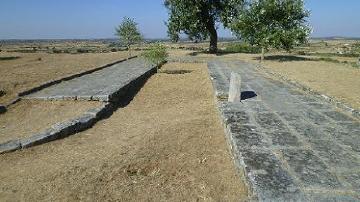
x=99, y=86
x=293, y=146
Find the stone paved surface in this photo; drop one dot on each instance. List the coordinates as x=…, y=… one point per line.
x=292, y=146
x=101, y=85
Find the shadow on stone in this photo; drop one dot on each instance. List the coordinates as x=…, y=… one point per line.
x=248, y=95
x=128, y=94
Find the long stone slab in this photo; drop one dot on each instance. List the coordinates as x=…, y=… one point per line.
x=103, y=85
x=291, y=145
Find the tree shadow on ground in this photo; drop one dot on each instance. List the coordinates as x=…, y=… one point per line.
x=286, y=58
x=219, y=53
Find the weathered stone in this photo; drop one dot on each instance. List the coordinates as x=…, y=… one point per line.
x=332, y=197
x=245, y=137
x=310, y=169
x=270, y=181
x=290, y=145
x=99, y=85
x=235, y=88
x=37, y=139
x=353, y=178
x=284, y=138
x=270, y=121
x=335, y=155
x=9, y=146
x=337, y=116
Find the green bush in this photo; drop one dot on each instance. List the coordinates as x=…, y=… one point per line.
x=241, y=48
x=82, y=50
x=156, y=54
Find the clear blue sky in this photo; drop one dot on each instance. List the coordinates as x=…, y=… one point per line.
x=49, y=19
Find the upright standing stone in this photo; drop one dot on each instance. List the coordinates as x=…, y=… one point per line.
x=235, y=88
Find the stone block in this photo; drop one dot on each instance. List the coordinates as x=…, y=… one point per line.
x=284, y=139
x=270, y=121
x=337, y=116
x=235, y=88
x=37, y=139
x=246, y=137
x=9, y=146
x=270, y=181
x=310, y=169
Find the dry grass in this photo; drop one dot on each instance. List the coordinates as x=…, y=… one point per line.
x=166, y=145
x=27, y=117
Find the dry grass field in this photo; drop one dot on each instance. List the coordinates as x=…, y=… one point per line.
x=27, y=117
x=166, y=145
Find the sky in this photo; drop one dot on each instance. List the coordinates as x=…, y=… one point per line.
x=90, y=19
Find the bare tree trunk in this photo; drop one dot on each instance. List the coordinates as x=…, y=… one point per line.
x=213, y=37
x=262, y=54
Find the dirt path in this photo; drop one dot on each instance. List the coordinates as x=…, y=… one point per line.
x=166, y=145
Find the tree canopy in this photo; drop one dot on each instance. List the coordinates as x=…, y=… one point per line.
x=128, y=33
x=199, y=18
x=279, y=24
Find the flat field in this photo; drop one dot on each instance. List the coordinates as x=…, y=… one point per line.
x=166, y=145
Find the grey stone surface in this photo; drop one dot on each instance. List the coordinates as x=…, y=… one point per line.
x=102, y=85
x=9, y=146
x=59, y=130
x=292, y=146
x=235, y=88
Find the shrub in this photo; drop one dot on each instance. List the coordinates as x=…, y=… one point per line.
x=82, y=50
x=156, y=54
x=241, y=48
x=9, y=58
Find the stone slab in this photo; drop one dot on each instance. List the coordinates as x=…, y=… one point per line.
x=293, y=146
x=102, y=85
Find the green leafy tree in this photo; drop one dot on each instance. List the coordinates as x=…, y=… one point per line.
x=280, y=24
x=199, y=18
x=128, y=33
x=156, y=54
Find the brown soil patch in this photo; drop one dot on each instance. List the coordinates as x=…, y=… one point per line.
x=28, y=71
x=27, y=117
x=166, y=145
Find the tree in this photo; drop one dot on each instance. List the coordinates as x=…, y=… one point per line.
x=156, y=54
x=280, y=24
x=128, y=33
x=199, y=18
